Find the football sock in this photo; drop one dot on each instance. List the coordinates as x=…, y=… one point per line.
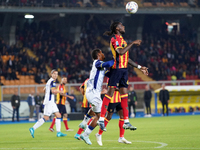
x=53, y=122
x=124, y=104
x=86, y=118
x=58, y=124
x=89, y=121
x=105, y=123
x=80, y=130
x=106, y=101
x=40, y=122
x=88, y=130
x=65, y=122
x=121, y=129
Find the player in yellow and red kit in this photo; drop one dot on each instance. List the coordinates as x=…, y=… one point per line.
x=119, y=72
x=60, y=101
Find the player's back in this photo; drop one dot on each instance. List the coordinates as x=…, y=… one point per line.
x=96, y=77
x=49, y=96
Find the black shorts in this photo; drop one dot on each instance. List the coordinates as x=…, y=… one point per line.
x=62, y=108
x=85, y=110
x=118, y=78
x=113, y=106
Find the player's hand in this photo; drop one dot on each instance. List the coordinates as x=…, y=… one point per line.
x=104, y=91
x=62, y=92
x=135, y=102
x=144, y=70
x=137, y=42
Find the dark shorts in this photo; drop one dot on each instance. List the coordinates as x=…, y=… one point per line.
x=113, y=106
x=118, y=78
x=62, y=108
x=85, y=110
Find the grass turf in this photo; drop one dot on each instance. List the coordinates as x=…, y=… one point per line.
x=178, y=132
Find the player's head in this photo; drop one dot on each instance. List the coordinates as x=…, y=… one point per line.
x=54, y=74
x=97, y=54
x=64, y=80
x=116, y=27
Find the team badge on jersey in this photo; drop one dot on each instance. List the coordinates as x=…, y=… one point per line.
x=117, y=43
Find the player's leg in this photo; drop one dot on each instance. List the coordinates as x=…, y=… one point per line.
x=106, y=120
x=65, y=122
x=121, y=129
x=41, y=121
x=115, y=76
x=123, y=85
x=96, y=107
x=54, y=119
x=80, y=130
x=58, y=124
x=86, y=119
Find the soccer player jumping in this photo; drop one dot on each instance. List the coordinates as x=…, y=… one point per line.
x=119, y=72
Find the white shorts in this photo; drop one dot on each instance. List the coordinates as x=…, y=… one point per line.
x=50, y=108
x=94, y=98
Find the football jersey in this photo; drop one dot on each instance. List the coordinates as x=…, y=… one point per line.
x=49, y=96
x=85, y=103
x=96, y=76
x=121, y=61
x=59, y=98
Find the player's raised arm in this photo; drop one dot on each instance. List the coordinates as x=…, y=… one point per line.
x=143, y=69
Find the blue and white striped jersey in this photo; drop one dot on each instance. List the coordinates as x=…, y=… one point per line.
x=97, y=74
x=49, y=96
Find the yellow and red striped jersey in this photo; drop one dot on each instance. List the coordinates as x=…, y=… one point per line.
x=61, y=99
x=116, y=97
x=121, y=61
x=85, y=103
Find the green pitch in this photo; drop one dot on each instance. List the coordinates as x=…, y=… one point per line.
x=177, y=133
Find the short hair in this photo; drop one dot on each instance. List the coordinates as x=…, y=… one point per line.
x=52, y=71
x=95, y=53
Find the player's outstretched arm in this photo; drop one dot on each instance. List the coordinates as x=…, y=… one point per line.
x=143, y=69
x=107, y=64
x=122, y=51
x=55, y=91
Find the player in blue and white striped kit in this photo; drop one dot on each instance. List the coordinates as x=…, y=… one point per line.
x=93, y=92
x=50, y=106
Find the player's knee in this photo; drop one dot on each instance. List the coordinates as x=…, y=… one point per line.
x=46, y=118
x=65, y=115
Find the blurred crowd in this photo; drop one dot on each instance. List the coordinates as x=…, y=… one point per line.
x=164, y=53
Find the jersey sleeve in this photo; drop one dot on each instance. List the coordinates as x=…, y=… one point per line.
x=116, y=43
x=101, y=64
x=52, y=85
